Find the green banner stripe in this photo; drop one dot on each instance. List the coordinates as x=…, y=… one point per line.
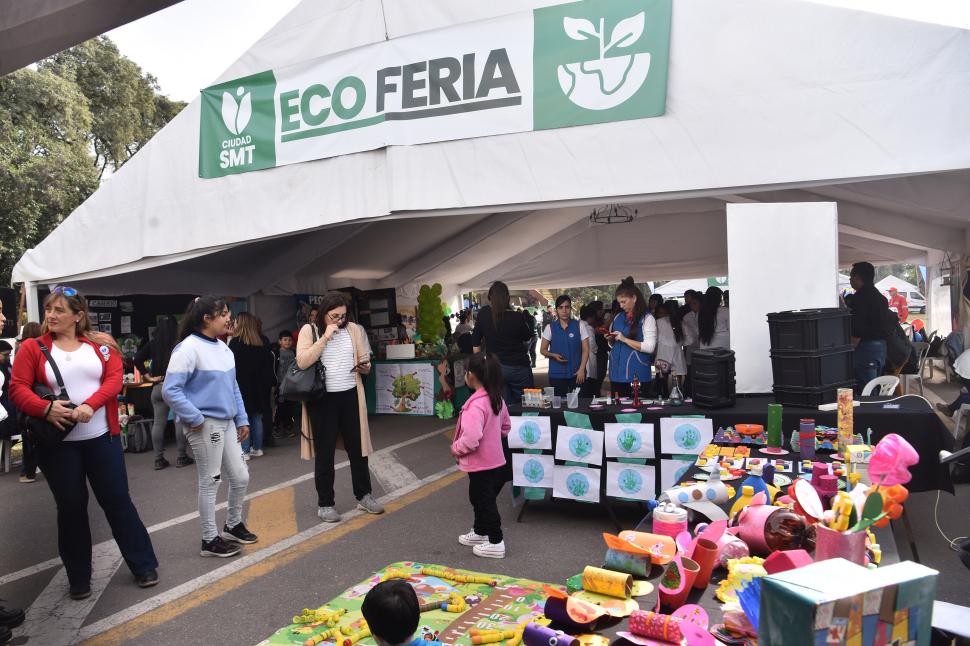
x=340, y=127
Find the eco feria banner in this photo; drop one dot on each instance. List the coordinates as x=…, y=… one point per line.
x=567, y=65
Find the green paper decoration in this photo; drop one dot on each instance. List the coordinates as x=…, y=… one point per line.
x=431, y=327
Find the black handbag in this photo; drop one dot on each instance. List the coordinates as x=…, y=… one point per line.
x=304, y=385
x=42, y=434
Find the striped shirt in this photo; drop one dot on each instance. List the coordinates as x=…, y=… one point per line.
x=338, y=358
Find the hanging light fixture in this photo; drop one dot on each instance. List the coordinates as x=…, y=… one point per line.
x=612, y=214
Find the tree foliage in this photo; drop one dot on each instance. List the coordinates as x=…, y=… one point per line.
x=82, y=112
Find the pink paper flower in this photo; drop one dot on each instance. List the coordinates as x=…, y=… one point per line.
x=891, y=460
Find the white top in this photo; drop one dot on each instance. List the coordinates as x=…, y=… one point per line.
x=962, y=364
x=691, y=332
x=722, y=330
x=648, y=332
x=81, y=371
x=586, y=332
x=668, y=349
x=583, y=333
x=338, y=358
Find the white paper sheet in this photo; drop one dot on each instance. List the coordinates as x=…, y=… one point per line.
x=530, y=432
x=672, y=470
x=635, y=481
x=576, y=483
x=629, y=441
x=529, y=470
x=579, y=445
x=685, y=434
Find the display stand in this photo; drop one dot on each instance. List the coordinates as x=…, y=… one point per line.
x=421, y=405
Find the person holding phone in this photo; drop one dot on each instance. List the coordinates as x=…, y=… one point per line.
x=341, y=414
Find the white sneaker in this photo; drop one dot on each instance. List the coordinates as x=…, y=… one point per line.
x=471, y=539
x=245, y=457
x=256, y=453
x=490, y=550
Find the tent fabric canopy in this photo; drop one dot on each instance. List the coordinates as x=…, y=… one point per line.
x=766, y=101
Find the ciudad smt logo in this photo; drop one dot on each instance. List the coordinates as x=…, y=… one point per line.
x=237, y=151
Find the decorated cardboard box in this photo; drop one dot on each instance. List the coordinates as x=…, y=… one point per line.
x=839, y=602
x=857, y=456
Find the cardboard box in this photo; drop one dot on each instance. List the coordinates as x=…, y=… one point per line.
x=400, y=351
x=839, y=602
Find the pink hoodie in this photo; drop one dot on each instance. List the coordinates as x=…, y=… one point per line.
x=478, y=435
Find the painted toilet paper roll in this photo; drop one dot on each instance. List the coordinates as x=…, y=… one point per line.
x=536, y=635
x=614, y=584
x=573, y=614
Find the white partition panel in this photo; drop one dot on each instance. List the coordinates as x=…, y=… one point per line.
x=780, y=257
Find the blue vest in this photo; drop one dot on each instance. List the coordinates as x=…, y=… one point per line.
x=569, y=344
x=625, y=362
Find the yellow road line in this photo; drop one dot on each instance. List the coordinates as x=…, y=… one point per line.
x=272, y=516
x=138, y=626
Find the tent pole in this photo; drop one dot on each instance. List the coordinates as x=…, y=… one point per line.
x=33, y=306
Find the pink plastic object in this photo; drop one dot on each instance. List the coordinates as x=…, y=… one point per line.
x=752, y=521
x=787, y=560
x=891, y=460
x=807, y=500
x=830, y=544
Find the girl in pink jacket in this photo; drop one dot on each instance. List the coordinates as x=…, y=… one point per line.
x=482, y=423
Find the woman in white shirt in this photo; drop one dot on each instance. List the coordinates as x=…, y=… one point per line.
x=670, y=359
x=713, y=321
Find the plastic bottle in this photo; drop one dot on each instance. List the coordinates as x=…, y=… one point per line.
x=755, y=480
x=768, y=529
x=747, y=493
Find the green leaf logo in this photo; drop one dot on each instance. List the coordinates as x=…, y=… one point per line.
x=235, y=115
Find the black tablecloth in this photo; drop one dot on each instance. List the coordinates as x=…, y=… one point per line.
x=914, y=420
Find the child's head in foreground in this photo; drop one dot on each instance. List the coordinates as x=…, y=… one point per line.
x=392, y=613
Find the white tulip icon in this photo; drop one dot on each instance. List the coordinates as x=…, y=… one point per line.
x=236, y=115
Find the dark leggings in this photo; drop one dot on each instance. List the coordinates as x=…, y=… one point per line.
x=332, y=415
x=483, y=490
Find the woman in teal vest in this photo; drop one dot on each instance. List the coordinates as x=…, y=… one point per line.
x=634, y=332
x=566, y=344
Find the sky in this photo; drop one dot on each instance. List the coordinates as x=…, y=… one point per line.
x=188, y=45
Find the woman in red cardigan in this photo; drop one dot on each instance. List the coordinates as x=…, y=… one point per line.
x=91, y=367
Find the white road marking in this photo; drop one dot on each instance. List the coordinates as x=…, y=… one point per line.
x=178, y=520
x=239, y=564
x=389, y=472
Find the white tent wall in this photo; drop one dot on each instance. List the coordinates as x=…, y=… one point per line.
x=762, y=96
x=801, y=242
x=901, y=285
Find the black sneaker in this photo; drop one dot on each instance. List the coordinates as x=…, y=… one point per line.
x=79, y=592
x=11, y=617
x=220, y=548
x=183, y=461
x=147, y=579
x=238, y=534
x=5, y=635
x=161, y=463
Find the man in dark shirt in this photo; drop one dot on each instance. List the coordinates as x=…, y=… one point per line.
x=868, y=324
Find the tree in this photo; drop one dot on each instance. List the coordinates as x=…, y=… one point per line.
x=125, y=105
x=81, y=112
x=584, y=295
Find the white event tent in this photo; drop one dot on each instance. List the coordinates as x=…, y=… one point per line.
x=767, y=101
x=888, y=282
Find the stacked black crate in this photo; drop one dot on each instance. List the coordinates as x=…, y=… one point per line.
x=712, y=378
x=811, y=355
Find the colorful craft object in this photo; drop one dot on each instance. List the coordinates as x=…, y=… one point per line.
x=703, y=498
x=655, y=629
x=739, y=571
x=661, y=549
x=890, y=461
x=677, y=581
x=785, y=560
x=728, y=544
x=536, y=635
x=766, y=528
x=572, y=613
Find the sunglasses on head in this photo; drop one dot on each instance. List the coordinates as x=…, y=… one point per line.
x=66, y=291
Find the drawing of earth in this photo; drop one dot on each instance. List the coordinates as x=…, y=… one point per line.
x=533, y=471
x=687, y=436
x=580, y=445
x=630, y=481
x=628, y=441
x=529, y=432
x=577, y=484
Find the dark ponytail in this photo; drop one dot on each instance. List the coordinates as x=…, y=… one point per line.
x=707, y=317
x=628, y=288
x=195, y=313
x=488, y=371
x=499, y=300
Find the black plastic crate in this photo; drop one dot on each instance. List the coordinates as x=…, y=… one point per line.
x=812, y=369
x=712, y=378
x=809, y=397
x=810, y=330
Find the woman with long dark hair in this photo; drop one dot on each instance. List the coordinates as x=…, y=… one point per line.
x=506, y=333
x=565, y=342
x=200, y=386
x=90, y=453
x=670, y=359
x=159, y=351
x=634, y=332
x=341, y=414
x=256, y=375
x=714, y=321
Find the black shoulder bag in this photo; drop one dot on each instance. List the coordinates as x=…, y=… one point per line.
x=41, y=433
x=307, y=384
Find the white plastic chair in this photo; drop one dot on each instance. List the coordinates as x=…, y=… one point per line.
x=886, y=385
x=957, y=421
x=922, y=350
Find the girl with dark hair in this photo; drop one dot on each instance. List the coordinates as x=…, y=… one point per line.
x=505, y=333
x=634, y=332
x=341, y=413
x=566, y=344
x=482, y=423
x=670, y=360
x=159, y=350
x=256, y=376
x=714, y=321
x=200, y=386
x=90, y=367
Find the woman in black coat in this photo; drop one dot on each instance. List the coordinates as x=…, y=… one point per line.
x=256, y=376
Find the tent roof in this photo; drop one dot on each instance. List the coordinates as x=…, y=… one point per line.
x=767, y=101
x=900, y=284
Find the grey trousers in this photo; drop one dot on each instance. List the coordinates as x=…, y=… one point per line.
x=217, y=454
x=159, y=421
